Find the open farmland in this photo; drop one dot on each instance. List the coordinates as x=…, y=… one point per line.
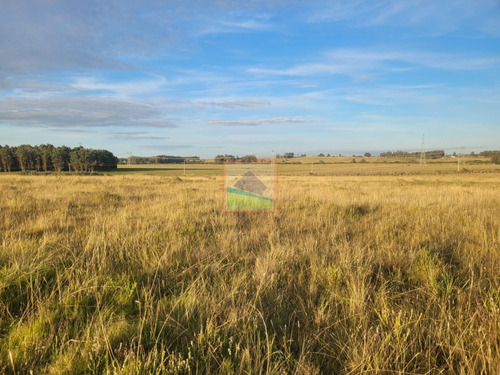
x=328, y=167
x=139, y=271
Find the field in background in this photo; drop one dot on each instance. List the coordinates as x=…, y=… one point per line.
x=331, y=167
x=137, y=273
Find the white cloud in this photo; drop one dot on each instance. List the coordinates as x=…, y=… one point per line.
x=274, y=120
x=81, y=112
x=441, y=16
x=232, y=103
x=365, y=62
x=303, y=70
x=235, y=25
x=120, y=89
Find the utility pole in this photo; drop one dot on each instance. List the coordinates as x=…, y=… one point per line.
x=422, y=151
x=462, y=153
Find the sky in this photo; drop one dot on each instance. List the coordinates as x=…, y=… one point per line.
x=149, y=77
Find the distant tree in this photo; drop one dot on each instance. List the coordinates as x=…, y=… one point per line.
x=328, y=155
x=105, y=160
x=249, y=158
x=60, y=158
x=24, y=156
x=489, y=154
x=435, y=154
x=219, y=159
x=321, y=154
x=48, y=158
x=368, y=155
x=82, y=159
x=353, y=160
x=45, y=152
x=7, y=158
x=133, y=160
x=288, y=155
x=36, y=158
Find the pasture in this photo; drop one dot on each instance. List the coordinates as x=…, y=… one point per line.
x=365, y=268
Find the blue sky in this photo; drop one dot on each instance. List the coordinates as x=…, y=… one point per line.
x=249, y=77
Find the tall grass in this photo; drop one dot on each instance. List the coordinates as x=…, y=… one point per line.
x=144, y=274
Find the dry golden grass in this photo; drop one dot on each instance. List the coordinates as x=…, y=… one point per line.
x=144, y=274
x=331, y=167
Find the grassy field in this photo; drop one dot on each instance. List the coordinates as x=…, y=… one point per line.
x=377, y=270
x=330, y=167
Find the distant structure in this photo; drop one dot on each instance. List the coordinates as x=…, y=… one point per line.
x=458, y=156
x=249, y=182
x=422, y=151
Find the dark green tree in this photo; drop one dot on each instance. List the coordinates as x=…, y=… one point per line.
x=24, y=157
x=249, y=159
x=8, y=159
x=105, y=160
x=83, y=159
x=46, y=156
x=60, y=158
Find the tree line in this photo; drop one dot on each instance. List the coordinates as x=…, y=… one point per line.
x=494, y=155
x=160, y=159
x=435, y=154
x=50, y=158
x=490, y=153
x=219, y=159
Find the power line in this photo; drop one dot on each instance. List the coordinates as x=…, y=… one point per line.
x=422, y=151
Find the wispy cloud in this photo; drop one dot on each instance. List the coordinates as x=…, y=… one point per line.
x=166, y=147
x=233, y=103
x=56, y=35
x=120, y=89
x=436, y=60
x=137, y=135
x=238, y=22
x=78, y=112
x=123, y=73
x=303, y=70
x=274, y=120
x=441, y=16
x=357, y=62
x=248, y=25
